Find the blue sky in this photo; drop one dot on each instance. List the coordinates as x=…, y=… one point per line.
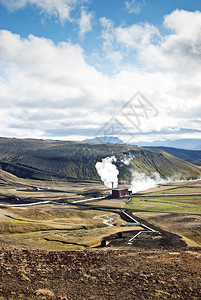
x=68, y=67
x=32, y=20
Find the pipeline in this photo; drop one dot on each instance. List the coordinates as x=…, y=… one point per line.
x=150, y=231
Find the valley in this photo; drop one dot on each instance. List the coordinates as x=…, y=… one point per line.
x=60, y=230
x=50, y=251
x=59, y=220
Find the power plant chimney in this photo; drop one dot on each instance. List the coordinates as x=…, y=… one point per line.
x=112, y=185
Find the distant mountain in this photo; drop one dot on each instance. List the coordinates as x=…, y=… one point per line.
x=44, y=159
x=105, y=139
x=188, y=144
x=192, y=156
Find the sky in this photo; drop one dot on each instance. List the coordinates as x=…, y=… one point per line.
x=77, y=69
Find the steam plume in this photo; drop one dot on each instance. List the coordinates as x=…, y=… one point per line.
x=126, y=160
x=142, y=181
x=108, y=171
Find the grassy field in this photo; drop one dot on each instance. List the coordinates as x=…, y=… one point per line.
x=53, y=227
x=177, y=214
x=185, y=225
x=181, y=190
x=67, y=227
x=189, y=205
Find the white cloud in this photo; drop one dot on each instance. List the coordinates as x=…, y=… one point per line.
x=179, y=50
x=14, y=4
x=165, y=67
x=107, y=33
x=108, y=36
x=49, y=90
x=184, y=23
x=134, y=6
x=85, y=22
x=136, y=36
x=51, y=79
x=60, y=9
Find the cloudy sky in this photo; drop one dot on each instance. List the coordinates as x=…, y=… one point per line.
x=75, y=69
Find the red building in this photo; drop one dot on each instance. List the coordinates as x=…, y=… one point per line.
x=118, y=193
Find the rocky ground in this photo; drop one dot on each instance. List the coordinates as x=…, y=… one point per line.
x=100, y=274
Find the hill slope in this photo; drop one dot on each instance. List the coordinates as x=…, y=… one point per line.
x=192, y=156
x=42, y=159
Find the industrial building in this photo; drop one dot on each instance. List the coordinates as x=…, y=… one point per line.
x=118, y=193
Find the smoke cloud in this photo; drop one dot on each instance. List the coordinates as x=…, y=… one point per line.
x=108, y=171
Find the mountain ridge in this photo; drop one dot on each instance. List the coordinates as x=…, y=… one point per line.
x=105, y=139
x=186, y=144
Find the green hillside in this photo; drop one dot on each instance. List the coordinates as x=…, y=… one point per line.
x=192, y=156
x=42, y=159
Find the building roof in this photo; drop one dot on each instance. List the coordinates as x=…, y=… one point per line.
x=120, y=189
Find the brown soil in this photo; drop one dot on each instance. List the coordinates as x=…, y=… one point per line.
x=100, y=274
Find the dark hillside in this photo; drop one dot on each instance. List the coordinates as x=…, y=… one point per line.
x=41, y=159
x=192, y=156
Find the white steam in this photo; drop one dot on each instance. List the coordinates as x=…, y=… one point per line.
x=108, y=171
x=126, y=160
x=142, y=181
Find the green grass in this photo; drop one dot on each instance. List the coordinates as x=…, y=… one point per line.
x=34, y=219
x=167, y=204
x=21, y=227
x=179, y=190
